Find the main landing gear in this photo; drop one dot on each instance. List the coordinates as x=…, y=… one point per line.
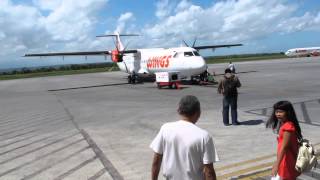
x=132, y=78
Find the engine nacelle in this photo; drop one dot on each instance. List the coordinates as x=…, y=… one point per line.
x=116, y=56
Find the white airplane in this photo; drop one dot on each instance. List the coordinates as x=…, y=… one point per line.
x=299, y=52
x=141, y=62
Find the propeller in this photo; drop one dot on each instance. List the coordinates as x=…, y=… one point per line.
x=185, y=43
x=193, y=44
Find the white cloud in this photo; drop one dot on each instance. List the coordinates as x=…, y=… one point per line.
x=2, y=35
x=164, y=8
x=305, y=22
x=72, y=19
x=230, y=21
x=26, y=27
x=20, y=27
x=183, y=5
x=123, y=19
x=69, y=25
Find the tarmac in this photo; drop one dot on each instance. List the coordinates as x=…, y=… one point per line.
x=96, y=126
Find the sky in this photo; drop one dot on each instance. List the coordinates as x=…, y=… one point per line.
x=263, y=26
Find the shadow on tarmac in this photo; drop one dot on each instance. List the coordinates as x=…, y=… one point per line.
x=242, y=72
x=84, y=87
x=252, y=122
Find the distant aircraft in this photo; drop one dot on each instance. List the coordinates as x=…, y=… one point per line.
x=300, y=52
x=141, y=62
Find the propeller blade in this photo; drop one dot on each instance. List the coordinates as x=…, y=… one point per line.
x=185, y=43
x=126, y=46
x=194, y=42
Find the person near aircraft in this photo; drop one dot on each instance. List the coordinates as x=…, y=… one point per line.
x=228, y=88
x=187, y=151
x=283, y=120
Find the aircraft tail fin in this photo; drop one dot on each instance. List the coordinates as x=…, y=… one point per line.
x=118, y=42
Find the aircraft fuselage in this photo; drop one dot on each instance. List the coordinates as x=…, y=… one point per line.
x=185, y=60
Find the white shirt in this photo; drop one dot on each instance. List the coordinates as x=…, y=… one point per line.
x=185, y=148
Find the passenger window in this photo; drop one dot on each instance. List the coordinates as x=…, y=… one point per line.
x=187, y=54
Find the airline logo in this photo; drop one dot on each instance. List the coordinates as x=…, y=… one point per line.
x=158, y=62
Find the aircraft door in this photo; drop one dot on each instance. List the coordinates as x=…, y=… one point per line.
x=137, y=62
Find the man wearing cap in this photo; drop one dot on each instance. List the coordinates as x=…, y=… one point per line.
x=228, y=88
x=187, y=151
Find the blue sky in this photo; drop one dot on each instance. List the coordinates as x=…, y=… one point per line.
x=35, y=26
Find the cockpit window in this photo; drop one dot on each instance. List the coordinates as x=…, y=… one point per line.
x=177, y=55
x=187, y=54
x=196, y=53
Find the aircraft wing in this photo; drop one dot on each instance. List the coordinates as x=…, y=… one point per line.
x=83, y=53
x=80, y=53
x=215, y=46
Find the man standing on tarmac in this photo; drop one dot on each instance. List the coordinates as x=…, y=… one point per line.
x=228, y=87
x=186, y=150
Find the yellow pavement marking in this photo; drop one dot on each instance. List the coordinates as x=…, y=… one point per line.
x=264, y=172
x=251, y=169
x=249, y=161
x=257, y=175
x=246, y=170
x=245, y=162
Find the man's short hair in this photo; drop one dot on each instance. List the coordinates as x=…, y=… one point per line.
x=189, y=105
x=227, y=71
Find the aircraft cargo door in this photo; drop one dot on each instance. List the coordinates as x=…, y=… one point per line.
x=137, y=62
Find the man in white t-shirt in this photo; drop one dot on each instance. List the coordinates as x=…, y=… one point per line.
x=187, y=151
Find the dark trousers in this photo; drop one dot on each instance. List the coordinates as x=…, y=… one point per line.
x=230, y=101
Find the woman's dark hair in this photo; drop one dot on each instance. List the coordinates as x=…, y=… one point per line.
x=188, y=105
x=290, y=113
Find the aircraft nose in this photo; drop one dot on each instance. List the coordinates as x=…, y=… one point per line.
x=287, y=53
x=201, y=64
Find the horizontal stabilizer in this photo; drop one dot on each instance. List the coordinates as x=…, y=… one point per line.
x=113, y=35
x=216, y=46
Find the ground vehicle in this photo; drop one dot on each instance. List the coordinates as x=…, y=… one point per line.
x=170, y=79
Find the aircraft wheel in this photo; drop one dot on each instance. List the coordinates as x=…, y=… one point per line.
x=133, y=80
x=129, y=79
x=174, y=86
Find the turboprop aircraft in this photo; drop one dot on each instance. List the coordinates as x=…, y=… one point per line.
x=299, y=52
x=140, y=62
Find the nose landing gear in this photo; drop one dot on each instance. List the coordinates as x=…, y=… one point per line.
x=204, y=76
